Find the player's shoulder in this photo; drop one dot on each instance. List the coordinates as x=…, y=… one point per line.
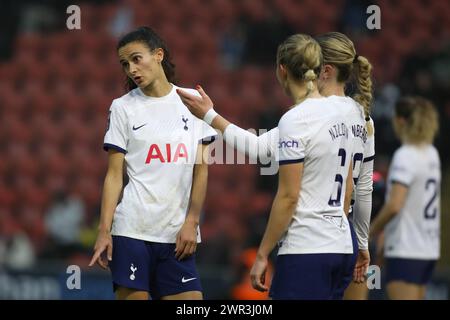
x=353, y=108
x=433, y=150
x=308, y=112
x=125, y=101
x=433, y=154
x=308, y=106
x=188, y=90
x=290, y=118
x=405, y=154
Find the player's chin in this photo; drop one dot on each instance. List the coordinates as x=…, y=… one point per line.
x=141, y=83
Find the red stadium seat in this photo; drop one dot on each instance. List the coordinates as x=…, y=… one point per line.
x=9, y=225
x=54, y=183
x=223, y=12
x=17, y=130
x=46, y=131
x=260, y=203
x=27, y=165
x=30, y=42
x=56, y=165
x=12, y=103
x=60, y=66
x=88, y=189
x=10, y=72
x=8, y=198
x=31, y=221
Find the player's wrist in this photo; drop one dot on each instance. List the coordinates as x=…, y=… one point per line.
x=192, y=220
x=104, y=229
x=209, y=116
x=262, y=254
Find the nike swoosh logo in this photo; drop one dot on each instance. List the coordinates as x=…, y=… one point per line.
x=135, y=128
x=183, y=280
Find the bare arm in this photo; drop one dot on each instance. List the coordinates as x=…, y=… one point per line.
x=283, y=209
x=112, y=188
x=187, y=237
x=396, y=200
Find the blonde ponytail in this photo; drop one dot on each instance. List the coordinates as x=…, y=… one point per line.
x=362, y=72
x=309, y=77
x=302, y=57
x=338, y=50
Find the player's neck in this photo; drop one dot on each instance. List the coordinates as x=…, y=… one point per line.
x=300, y=94
x=157, y=89
x=333, y=89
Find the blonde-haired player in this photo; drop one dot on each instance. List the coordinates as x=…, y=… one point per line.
x=342, y=64
x=410, y=217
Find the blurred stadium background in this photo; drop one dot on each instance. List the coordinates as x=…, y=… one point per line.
x=57, y=85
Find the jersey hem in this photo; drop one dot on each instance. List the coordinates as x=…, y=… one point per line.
x=303, y=251
x=281, y=162
x=146, y=238
x=401, y=256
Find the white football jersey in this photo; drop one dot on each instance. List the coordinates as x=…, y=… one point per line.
x=362, y=156
x=414, y=233
x=317, y=133
x=159, y=137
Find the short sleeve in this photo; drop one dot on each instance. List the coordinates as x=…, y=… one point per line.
x=292, y=140
x=116, y=136
x=401, y=170
x=207, y=134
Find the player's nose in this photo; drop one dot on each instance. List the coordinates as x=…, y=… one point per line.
x=133, y=69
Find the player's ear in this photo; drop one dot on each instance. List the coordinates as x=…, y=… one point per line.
x=327, y=72
x=282, y=72
x=159, y=54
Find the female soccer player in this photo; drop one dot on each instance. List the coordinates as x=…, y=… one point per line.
x=340, y=65
x=150, y=237
x=410, y=217
x=307, y=218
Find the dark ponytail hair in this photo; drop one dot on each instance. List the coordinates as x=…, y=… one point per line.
x=149, y=37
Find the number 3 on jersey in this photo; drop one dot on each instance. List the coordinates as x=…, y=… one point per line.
x=339, y=180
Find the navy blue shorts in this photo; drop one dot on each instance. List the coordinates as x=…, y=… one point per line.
x=348, y=268
x=152, y=267
x=409, y=270
x=309, y=276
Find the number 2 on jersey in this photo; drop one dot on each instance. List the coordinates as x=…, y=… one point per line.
x=430, y=210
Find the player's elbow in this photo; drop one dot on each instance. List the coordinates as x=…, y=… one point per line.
x=114, y=174
x=394, y=207
x=290, y=199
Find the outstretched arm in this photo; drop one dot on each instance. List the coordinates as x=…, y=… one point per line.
x=242, y=140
